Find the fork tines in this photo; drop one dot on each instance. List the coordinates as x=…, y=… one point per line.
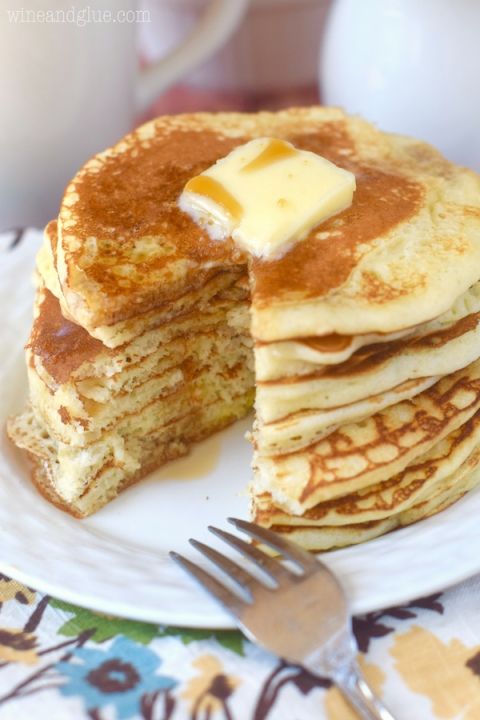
x=246, y=583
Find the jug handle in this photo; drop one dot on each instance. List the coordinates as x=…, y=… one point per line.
x=217, y=23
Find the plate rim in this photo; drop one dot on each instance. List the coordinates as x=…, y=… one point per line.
x=223, y=621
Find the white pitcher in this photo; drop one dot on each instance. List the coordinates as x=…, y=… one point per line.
x=411, y=66
x=70, y=86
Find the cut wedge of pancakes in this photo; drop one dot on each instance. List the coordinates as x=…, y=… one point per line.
x=360, y=346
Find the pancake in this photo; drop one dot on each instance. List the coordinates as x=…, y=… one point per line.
x=372, y=371
x=121, y=332
x=361, y=454
x=81, y=481
x=455, y=455
x=328, y=537
x=305, y=427
x=297, y=356
x=342, y=279
x=296, y=410
x=362, y=341
x=125, y=247
x=81, y=388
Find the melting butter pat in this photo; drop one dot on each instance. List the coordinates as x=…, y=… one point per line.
x=267, y=195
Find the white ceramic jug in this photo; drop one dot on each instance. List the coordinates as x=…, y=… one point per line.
x=274, y=49
x=411, y=66
x=70, y=86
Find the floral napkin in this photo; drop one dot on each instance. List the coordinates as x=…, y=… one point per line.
x=61, y=662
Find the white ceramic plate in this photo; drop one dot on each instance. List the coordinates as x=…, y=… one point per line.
x=117, y=561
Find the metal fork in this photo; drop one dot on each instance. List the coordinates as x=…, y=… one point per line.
x=301, y=616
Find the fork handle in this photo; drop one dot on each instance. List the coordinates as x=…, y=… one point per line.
x=361, y=697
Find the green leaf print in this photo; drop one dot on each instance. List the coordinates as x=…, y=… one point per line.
x=230, y=639
x=106, y=627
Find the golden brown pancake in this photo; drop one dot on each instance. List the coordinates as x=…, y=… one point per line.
x=125, y=247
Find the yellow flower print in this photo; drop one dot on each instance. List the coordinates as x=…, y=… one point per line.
x=12, y=590
x=337, y=707
x=209, y=691
x=17, y=646
x=446, y=673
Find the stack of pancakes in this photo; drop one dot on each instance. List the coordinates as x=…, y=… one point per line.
x=140, y=343
x=364, y=441
x=365, y=335
x=100, y=418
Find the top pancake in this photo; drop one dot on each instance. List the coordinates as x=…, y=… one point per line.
x=400, y=255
